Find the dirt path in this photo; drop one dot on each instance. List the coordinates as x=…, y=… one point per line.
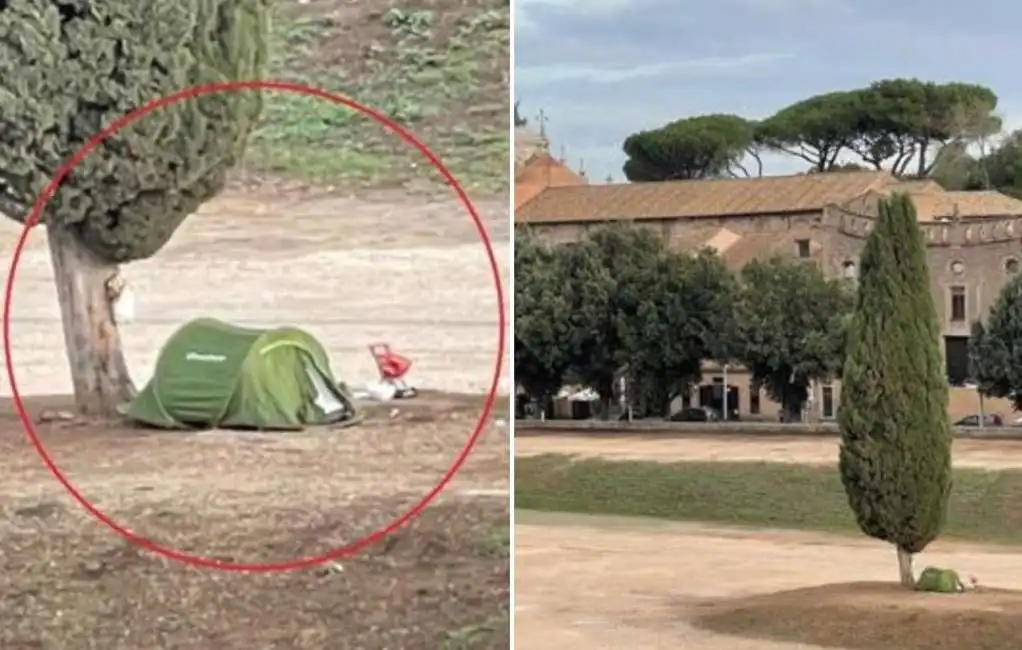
x=989, y=454
x=585, y=583
x=351, y=271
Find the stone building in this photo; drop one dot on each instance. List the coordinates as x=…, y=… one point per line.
x=536, y=169
x=974, y=243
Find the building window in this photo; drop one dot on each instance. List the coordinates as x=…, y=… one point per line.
x=1011, y=266
x=848, y=270
x=803, y=247
x=828, y=401
x=754, y=400
x=956, y=359
x=957, y=304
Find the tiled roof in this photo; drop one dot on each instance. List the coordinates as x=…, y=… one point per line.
x=540, y=172
x=756, y=246
x=933, y=206
x=917, y=187
x=699, y=198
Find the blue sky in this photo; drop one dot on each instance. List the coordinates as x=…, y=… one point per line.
x=603, y=69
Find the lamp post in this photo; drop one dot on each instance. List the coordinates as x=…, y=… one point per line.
x=725, y=414
x=971, y=385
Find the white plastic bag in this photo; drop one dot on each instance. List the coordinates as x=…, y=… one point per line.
x=124, y=306
x=381, y=391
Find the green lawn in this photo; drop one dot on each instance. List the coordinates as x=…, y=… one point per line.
x=437, y=66
x=984, y=505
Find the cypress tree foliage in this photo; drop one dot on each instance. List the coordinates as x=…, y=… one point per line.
x=68, y=68
x=895, y=458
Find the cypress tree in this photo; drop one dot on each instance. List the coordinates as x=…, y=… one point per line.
x=69, y=68
x=895, y=458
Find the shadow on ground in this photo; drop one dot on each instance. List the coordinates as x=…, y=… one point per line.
x=872, y=616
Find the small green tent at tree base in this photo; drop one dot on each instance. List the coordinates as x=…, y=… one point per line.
x=213, y=374
x=895, y=458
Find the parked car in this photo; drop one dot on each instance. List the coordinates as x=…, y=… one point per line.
x=989, y=420
x=696, y=414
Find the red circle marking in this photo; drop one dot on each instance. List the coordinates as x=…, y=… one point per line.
x=304, y=562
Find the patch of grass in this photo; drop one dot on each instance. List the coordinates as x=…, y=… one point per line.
x=494, y=630
x=496, y=544
x=480, y=635
x=984, y=504
x=439, y=67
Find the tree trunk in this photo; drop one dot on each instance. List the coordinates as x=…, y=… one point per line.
x=98, y=370
x=905, y=569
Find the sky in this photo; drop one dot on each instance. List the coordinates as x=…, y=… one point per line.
x=601, y=70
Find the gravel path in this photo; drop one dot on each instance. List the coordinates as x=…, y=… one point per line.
x=985, y=454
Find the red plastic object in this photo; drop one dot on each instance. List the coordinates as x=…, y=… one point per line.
x=392, y=365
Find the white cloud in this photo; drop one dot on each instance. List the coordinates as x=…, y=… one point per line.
x=590, y=5
x=558, y=73
x=789, y=6
x=526, y=20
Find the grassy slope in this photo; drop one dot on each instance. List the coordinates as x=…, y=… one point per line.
x=983, y=505
x=439, y=67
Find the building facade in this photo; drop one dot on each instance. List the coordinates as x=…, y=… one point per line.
x=536, y=169
x=974, y=244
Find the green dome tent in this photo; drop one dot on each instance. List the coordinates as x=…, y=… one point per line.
x=213, y=374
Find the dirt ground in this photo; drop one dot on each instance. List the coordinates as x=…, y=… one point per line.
x=69, y=583
x=991, y=454
x=645, y=583
x=648, y=583
x=351, y=271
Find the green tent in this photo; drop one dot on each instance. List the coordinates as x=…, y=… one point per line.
x=944, y=581
x=213, y=374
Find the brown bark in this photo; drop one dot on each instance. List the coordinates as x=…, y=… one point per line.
x=98, y=370
x=905, y=569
